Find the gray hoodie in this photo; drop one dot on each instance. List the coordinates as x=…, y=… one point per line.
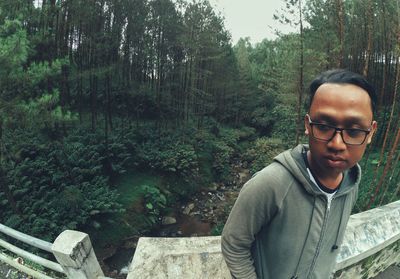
x=282, y=225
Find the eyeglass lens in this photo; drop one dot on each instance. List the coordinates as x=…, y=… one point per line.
x=349, y=136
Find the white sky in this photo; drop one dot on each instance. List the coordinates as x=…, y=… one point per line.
x=251, y=18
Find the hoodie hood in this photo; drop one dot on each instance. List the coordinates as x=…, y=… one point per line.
x=293, y=161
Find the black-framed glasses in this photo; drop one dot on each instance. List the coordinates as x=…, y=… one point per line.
x=325, y=132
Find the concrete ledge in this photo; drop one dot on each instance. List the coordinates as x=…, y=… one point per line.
x=369, y=232
x=191, y=257
x=371, y=244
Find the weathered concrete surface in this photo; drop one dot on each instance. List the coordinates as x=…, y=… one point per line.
x=372, y=265
x=192, y=257
x=74, y=252
x=371, y=245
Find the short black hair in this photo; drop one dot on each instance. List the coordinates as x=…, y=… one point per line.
x=342, y=76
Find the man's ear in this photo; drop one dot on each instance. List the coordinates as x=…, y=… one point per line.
x=306, y=125
x=373, y=130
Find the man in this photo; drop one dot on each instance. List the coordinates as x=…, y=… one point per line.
x=290, y=218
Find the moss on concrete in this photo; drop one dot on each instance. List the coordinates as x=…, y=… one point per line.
x=373, y=265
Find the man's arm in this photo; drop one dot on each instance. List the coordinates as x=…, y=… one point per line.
x=255, y=206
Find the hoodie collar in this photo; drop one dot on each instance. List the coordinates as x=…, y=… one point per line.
x=292, y=160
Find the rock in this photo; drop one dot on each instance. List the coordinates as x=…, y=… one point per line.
x=221, y=196
x=168, y=220
x=188, y=208
x=94, y=212
x=194, y=213
x=124, y=270
x=96, y=225
x=213, y=187
x=243, y=176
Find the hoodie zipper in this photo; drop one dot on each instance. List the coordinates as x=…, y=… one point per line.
x=324, y=225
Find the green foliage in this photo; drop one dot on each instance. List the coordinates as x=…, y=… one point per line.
x=222, y=154
x=154, y=201
x=371, y=174
x=261, y=153
x=219, y=147
x=168, y=156
x=284, y=124
x=26, y=94
x=60, y=185
x=217, y=229
x=13, y=48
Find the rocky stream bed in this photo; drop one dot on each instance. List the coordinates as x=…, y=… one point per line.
x=202, y=215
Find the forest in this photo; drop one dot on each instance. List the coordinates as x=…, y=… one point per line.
x=114, y=111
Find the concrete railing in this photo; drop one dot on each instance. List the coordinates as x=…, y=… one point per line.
x=72, y=249
x=371, y=244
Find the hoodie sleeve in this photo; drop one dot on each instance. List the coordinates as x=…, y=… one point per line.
x=257, y=203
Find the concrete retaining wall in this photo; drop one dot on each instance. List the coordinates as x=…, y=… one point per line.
x=371, y=244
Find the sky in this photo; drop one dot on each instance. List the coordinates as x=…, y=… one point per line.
x=250, y=18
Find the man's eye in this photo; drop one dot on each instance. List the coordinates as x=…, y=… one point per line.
x=324, y=128
x=354, y=133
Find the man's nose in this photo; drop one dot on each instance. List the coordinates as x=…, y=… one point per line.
x=337, y=141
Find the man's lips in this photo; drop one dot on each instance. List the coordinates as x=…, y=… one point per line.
x=335, y=158
x=336, y=161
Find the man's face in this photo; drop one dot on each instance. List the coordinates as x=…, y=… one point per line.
x=342, y=106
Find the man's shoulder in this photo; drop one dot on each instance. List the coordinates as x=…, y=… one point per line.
x=274, y=177
x=277, y=170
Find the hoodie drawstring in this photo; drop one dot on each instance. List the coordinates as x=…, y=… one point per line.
x=335, y=245
x=295, y=276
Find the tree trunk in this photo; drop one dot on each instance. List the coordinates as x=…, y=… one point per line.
x=369, y=19
x=340, y=10
x=301, y=78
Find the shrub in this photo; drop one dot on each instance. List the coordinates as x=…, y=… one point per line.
x=154, y=202
x=56, y=185
x=262, y=153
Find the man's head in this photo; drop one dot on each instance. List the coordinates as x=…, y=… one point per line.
x=340, y=121
x=341, y=76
